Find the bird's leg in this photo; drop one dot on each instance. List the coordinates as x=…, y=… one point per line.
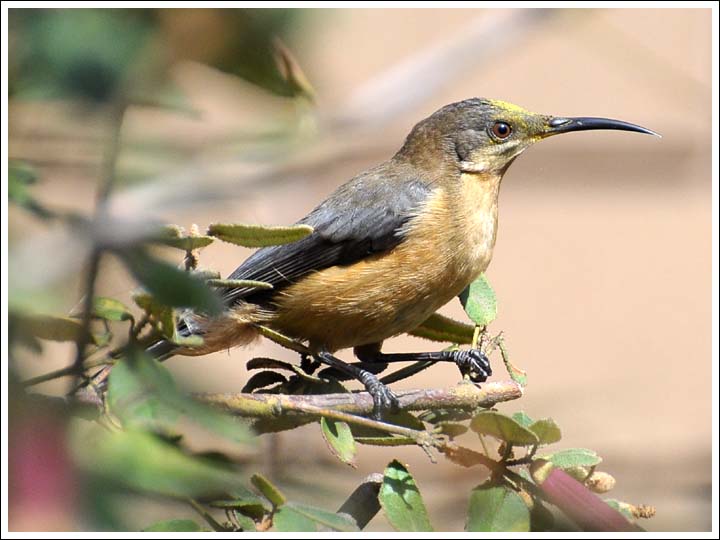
x=384, y=400
x=338, y=375
x=471, y=362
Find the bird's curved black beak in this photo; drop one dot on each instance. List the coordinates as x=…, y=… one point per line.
x=566, y=125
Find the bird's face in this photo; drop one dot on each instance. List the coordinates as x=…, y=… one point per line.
x=485, y=136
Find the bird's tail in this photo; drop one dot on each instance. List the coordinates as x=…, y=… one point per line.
x=233, y=328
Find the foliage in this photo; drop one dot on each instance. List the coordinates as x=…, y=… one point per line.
x=136, y=441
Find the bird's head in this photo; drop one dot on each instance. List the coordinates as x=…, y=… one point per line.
x=485, y=136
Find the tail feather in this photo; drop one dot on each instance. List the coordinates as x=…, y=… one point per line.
x=235, y=327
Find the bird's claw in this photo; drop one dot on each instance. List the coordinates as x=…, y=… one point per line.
x=384, y=400
x=474, y=363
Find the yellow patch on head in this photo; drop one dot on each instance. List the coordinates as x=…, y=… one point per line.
x=516, y=114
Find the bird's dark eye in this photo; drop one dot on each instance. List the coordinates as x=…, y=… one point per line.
x=501, y=130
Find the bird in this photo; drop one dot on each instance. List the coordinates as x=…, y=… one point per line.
x=389, y=247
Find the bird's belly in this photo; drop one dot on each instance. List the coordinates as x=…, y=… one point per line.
x=364, y=303
x=385, y=294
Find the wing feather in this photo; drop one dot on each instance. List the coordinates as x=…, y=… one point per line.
x=363, y=217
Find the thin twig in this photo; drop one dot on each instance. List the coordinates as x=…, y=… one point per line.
x=65, y=372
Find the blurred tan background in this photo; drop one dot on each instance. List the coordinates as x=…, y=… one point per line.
x=602, y=264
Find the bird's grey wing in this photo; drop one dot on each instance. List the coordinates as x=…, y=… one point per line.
x=363, y=217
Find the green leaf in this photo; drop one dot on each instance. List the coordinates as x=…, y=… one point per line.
x=339, y=439
x=142, y=461
x=479, y=301
x=206, y=274
x=174, y=525
x=162, y=316
x=451, y=429
x=168, y=285
x=322, y=517
x=20, y=176
x=111, y=309
x=254, y=236
x=572, y=457
x=239, y=284
x=268, y=490
x=444, y=329
x=142, y=391
x=523, y=419
x=173, y=236
x=401, y=500
x=288, y=519
x=245, y=523
x=516, y=374
x=49, y=327
x=245, y=504
x=502, y=427
x=547, y=431
x=497, y=508
x=250, y=506
x=135, y=395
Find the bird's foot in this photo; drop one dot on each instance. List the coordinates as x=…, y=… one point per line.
x=473, y=363
x=384, y=400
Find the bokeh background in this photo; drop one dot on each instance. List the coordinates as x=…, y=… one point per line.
x=603, y=261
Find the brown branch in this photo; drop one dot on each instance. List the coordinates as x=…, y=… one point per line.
x=463, y=396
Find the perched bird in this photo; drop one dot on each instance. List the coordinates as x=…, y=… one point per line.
x=389, y=247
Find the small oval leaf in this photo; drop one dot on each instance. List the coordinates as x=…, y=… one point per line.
x=572, y=457
x=502, y=427
x=268, y=490
x=339, y=439
x=255, y=236
x=337, y=522
x=444, y=329
x=173, y=236
x=547, y=431
x=288, y=519
x=451, y=429
x=523, y=419
x=479, y=301
x=497, y=508
x=110, y=309
x=401, y=501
